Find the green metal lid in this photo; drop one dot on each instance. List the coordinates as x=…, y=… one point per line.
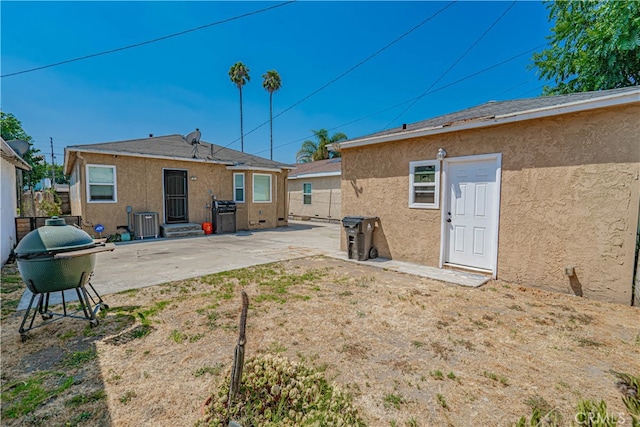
x=54, y=236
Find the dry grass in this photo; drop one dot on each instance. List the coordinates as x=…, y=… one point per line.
x=412, y=351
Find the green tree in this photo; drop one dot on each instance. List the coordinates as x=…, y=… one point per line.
x=61, y=178
x=271, y=83
x=11, y=128
x=317, y=150
x=594, y=45
x=239, y=75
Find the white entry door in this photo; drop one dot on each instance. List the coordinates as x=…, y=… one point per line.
x=471, y=211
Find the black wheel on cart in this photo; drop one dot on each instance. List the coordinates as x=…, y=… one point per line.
x=93, y=323
x=46, y=316
x=104, y=307
x=373, y=253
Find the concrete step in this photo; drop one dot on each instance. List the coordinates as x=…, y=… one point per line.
x=181, y=230
x=183, y=233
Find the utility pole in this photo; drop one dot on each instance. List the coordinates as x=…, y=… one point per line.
x=53, y=167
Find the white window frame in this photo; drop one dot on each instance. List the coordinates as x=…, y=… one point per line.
x=435, y=184
x=254, y=187
x=114, y=184
x=304, y=194
x=244, y=192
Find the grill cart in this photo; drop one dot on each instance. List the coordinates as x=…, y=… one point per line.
x=55, y=258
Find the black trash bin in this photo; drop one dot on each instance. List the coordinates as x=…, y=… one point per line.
x=359, y=231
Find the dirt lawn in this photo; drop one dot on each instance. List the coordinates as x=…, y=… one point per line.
x=412, y=351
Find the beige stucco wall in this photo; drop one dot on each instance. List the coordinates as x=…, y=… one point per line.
x=140, y=185
x=325, y=198
x=569, y=197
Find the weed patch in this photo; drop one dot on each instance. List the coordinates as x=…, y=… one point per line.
x=19, y=398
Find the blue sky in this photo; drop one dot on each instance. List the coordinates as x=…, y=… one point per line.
x=181, y=83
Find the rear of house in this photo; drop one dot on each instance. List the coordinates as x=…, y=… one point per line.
x=177, y=181
x=314, y=190
x=542, y=191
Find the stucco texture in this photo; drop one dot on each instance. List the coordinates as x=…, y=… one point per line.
x=140, y=185
x=8, y=209
x=325, y=198
x=569, y=197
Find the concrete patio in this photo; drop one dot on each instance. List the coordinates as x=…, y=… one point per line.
x=149, y=262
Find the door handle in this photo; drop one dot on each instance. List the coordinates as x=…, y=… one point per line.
x=448, y=219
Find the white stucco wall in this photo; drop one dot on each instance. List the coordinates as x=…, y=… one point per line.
x=8, y=209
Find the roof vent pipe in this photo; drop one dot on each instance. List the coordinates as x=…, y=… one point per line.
x=404, y=126
x=150, y=135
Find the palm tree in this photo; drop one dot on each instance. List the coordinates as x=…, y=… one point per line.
x=271, y=83
x=312, y=151
x=239, y=74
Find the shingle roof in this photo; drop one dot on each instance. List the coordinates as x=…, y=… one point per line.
x=317, y=167
x=492, y=109
x=176, y=147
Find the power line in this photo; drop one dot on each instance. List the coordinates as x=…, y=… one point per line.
x=456, y=62
x=106, y=52
x=418, y=97
x=349, y=70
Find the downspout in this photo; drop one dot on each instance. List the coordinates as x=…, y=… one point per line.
x=330, y=192
x=83, y=188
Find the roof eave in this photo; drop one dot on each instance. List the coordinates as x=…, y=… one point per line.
x=571, y=107
x=316, y=175
x=149, y=156
x=254, y=168
x=12, y=157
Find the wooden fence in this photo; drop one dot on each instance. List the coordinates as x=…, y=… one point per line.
x=25, y=224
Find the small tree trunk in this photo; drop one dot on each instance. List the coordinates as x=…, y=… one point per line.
x=238, y=359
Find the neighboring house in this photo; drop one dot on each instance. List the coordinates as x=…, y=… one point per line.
x=542, y=191
x=314, y=190
x=177, y=180
x=11, y=164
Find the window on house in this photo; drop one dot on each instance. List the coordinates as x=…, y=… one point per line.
x=101, y=183
x=424, y=184
x=238, y=187
x=261, y=188
x=306, y=193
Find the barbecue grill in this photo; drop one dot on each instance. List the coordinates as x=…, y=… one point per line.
x=55, y=258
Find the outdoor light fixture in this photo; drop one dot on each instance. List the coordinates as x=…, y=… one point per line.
x=193, y=177
x=441, y=154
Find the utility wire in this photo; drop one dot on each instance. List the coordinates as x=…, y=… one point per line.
x=348, y=71
x=418, y=97
x=451, y=67
x=106, y=52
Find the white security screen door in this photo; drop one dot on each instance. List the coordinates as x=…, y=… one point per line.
x=472, y=212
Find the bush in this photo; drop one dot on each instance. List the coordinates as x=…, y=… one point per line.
x=278, y=392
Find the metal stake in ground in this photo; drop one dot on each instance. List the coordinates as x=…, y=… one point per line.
x=238, y=359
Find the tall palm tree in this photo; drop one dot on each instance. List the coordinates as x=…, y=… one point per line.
x=271, y=83
x=239, y=74
x=312, y=151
